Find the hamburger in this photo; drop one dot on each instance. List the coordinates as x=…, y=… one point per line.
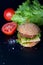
x=28, y=34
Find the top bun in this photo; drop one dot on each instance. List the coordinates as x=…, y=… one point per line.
x=28, y=29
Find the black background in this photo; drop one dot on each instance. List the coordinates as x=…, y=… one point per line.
x=14, y=54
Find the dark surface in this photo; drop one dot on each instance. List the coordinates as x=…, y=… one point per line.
x=12, y=53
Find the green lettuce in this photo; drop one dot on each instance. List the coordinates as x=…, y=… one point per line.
x=29, y=12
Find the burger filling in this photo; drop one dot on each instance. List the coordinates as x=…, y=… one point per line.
x=23, y=40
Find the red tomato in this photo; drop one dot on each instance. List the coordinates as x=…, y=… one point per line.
x=8, y=13
x=9, y=28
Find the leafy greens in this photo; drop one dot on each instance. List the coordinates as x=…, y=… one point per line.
x=29, y=12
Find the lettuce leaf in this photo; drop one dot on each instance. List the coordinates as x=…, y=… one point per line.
x=29, y=12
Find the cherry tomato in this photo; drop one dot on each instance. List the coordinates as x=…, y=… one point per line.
x=8, y=13
x=9, y=28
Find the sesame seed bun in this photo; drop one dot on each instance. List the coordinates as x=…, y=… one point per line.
x=28, y=30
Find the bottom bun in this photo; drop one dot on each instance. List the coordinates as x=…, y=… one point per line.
x=29, y=44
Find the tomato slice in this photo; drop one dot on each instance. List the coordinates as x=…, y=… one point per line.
x=9, y=28
x=8, y=13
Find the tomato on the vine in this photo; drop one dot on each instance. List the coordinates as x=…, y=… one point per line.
x=9, y=28
x=8, y=13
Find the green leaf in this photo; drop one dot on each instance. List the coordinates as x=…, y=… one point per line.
x=31, y=12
